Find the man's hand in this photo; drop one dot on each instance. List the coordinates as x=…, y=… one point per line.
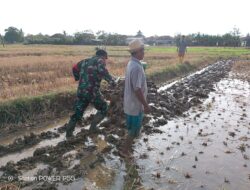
x=141, y=98
x=147, y=109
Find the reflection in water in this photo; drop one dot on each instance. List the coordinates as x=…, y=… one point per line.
x=37, y=130
x=104, y=176
x=28, y=152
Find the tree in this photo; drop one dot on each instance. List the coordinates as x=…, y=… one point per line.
x=37, y=39
x=248, y=40
x=236, y=36
x=64, y=33
x=83, y=38
x=2, y=40
x=13, y=35
x=58, y=38
x=116, y=39
x=230, y=39
x=236, y=31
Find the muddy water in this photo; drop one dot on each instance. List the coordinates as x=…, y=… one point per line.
x=28, y=152
x=19, y=134
x=202, y=150
x=104, y=176
x=37, y=130
x=108, y=174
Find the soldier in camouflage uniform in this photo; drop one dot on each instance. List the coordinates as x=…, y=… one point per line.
x=89, y=73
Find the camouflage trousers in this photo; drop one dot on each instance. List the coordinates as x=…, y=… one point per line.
x=83, y=101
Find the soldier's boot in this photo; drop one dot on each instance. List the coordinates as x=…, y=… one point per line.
x=70, y=128
x=97, y=119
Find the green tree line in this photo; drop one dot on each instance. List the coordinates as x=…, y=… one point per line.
x=14, y=35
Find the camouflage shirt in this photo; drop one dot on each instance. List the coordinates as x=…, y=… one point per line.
x=90, y=73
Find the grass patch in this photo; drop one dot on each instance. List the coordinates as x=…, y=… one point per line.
x=32, y=108
x=171, y=72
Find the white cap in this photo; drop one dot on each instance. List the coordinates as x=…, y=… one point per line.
x=135, y=45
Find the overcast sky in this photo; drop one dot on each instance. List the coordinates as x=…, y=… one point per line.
x=152, y=17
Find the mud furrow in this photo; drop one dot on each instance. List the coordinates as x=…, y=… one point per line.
x=166, y=103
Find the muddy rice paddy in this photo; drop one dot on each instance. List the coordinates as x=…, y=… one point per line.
x=196, y=137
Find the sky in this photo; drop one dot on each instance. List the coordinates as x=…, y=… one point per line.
x=152, y=17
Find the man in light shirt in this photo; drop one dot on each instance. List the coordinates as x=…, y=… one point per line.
x=135, y=93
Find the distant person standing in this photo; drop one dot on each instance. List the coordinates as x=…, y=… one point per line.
x=135, y=93
x=182, y=48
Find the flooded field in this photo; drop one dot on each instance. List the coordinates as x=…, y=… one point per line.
x=207, y=149
x=196, y=137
